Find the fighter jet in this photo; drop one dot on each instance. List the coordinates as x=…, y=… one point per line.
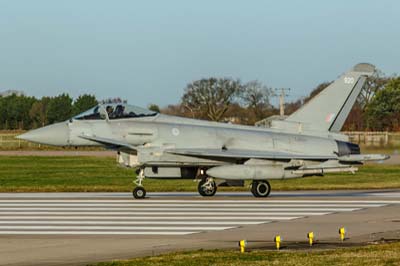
x=306, y=143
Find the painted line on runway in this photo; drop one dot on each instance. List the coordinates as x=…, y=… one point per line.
x=16, y=222
x=239, y=195
x=156, y=217
x=97, y=233
x=227, y=214
x=267, y=200
x=169, y=218
x=335, y=205
x=270, y=200
x=385, y=194
x=186, y=194
x=111, y=227
x=200, y=201
x=183, y=209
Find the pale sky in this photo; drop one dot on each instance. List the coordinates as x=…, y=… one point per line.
x=147, y=51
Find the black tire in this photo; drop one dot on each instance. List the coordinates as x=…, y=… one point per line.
x=139, y=193
x=207, y=191
x=261, y=189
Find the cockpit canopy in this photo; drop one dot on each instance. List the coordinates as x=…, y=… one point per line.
x=114, y=111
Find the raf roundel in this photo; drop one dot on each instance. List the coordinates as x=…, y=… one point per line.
x=329, y=118
x=175, y=131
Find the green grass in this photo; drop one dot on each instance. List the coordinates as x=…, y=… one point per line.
x=34, y=173
x=389, y=150
x=383, y=254
x=55, y=174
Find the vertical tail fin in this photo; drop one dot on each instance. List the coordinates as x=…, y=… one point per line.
x=329, y=109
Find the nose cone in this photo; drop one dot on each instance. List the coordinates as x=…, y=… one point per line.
x=56, y=134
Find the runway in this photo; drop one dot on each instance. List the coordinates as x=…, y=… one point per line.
x=155, y=217
x=78, y=228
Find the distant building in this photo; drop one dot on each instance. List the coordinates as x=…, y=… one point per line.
x=11, y=92
x=231, y=120
x=268, y=121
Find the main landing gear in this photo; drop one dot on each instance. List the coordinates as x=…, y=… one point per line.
x=260, y=188
x=207, y=186
x=139, y=192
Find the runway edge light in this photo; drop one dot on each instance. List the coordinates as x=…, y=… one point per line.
x=278, y=239
x=242, y=245
x=342, y=233
x=310, y=237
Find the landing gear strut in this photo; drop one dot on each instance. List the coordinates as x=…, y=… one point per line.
x=207, y=187
x=260, y=188
x=139, y=192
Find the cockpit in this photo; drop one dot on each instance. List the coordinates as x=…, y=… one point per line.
x=114, y=111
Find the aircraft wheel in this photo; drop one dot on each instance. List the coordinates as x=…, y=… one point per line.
x=139, y=193
x=207, y=187
x=260, y=189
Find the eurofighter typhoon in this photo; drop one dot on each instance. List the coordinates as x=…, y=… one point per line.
x=306, y=143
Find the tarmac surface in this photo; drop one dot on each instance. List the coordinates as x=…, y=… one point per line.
x=81, y=228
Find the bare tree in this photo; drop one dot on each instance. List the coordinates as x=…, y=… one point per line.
x=374, y=83
x=210, y=98
x=256, y=97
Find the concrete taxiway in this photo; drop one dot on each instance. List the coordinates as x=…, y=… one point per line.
x=78, y=228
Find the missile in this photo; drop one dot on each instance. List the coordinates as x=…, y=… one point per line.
x=249, y=172
x=363, y=157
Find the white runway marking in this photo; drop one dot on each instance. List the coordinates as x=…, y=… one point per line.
x=208, y=205
x=131, y=222
x=155, y=217
x=112, y=227
x=187, y=210
x=184, y=213
x=368, y=195
x=95, y=233
x=261, y=219
x=386, y=194
x=198, y=202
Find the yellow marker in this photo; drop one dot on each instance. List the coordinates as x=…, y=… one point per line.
x=278, y=241
x=242, y=245
x=342, y=232
x=310, y=237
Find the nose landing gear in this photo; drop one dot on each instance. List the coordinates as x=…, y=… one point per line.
x=139, y=192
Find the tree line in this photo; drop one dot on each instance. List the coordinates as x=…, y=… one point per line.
x=223, y=99
x=217, y=99
x=377, y=108
x=26, y=112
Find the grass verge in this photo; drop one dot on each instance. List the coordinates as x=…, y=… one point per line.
x=382, y=254
x=57, y=174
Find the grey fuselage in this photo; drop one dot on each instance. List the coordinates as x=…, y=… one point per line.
x=153, y=135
